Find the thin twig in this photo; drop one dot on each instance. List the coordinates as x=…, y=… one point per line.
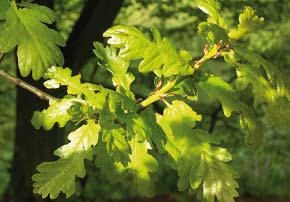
x=39, y=93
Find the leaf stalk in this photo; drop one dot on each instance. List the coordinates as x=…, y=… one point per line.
x=160, y=93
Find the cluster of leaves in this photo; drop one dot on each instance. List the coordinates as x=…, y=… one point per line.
x=110, y=123
x=117, y=130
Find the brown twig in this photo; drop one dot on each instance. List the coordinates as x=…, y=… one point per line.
x=39, y=93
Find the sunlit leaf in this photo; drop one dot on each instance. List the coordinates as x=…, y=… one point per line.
x=211, y=7
x=141, y=165
x=114, y=171
x=59, y=176
x=81, y=139
x=95, y=95
x=62, y=76
x=158, y=56
x=200, y=166
x=37, y=44
x=248, y=22
x=117, y=145
x=57, y=112
x=114, y=64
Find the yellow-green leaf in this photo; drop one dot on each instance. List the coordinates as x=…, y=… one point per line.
x=248, y=22
x=158, y=56
x=37, y=44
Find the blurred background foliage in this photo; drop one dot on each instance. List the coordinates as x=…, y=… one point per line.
x=7, y=122
x=264, y=172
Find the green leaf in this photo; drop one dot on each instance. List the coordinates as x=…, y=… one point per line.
x=278, y=112
x=220, y=181
x=121, y=103
x=137, y=126
x=213, y=33
x=272, y=72
x=278, y=106
x=58, y=76
x=59, y=176
x=158, y=56
x=206, y=172
x=37, y=44
x=217, y=88
x=114, y=171
x=248, y=22
x=217, y=39
x=180, y=117
x=272, y=90
x=241, y=83
x=120, y=112
x=253, y=128
x=77, y=112
x=212, y=7
x=93, y=95
x=57, y=112
x=44, y=13
x=141, y=165
x=114, y=64
x=157, y=135
x=185, y=89
x=183, y=113
x=117, y=145
x=80, y=140
x=200, y=166
x=115, y=111
x=4, y=6
x=107, y=118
